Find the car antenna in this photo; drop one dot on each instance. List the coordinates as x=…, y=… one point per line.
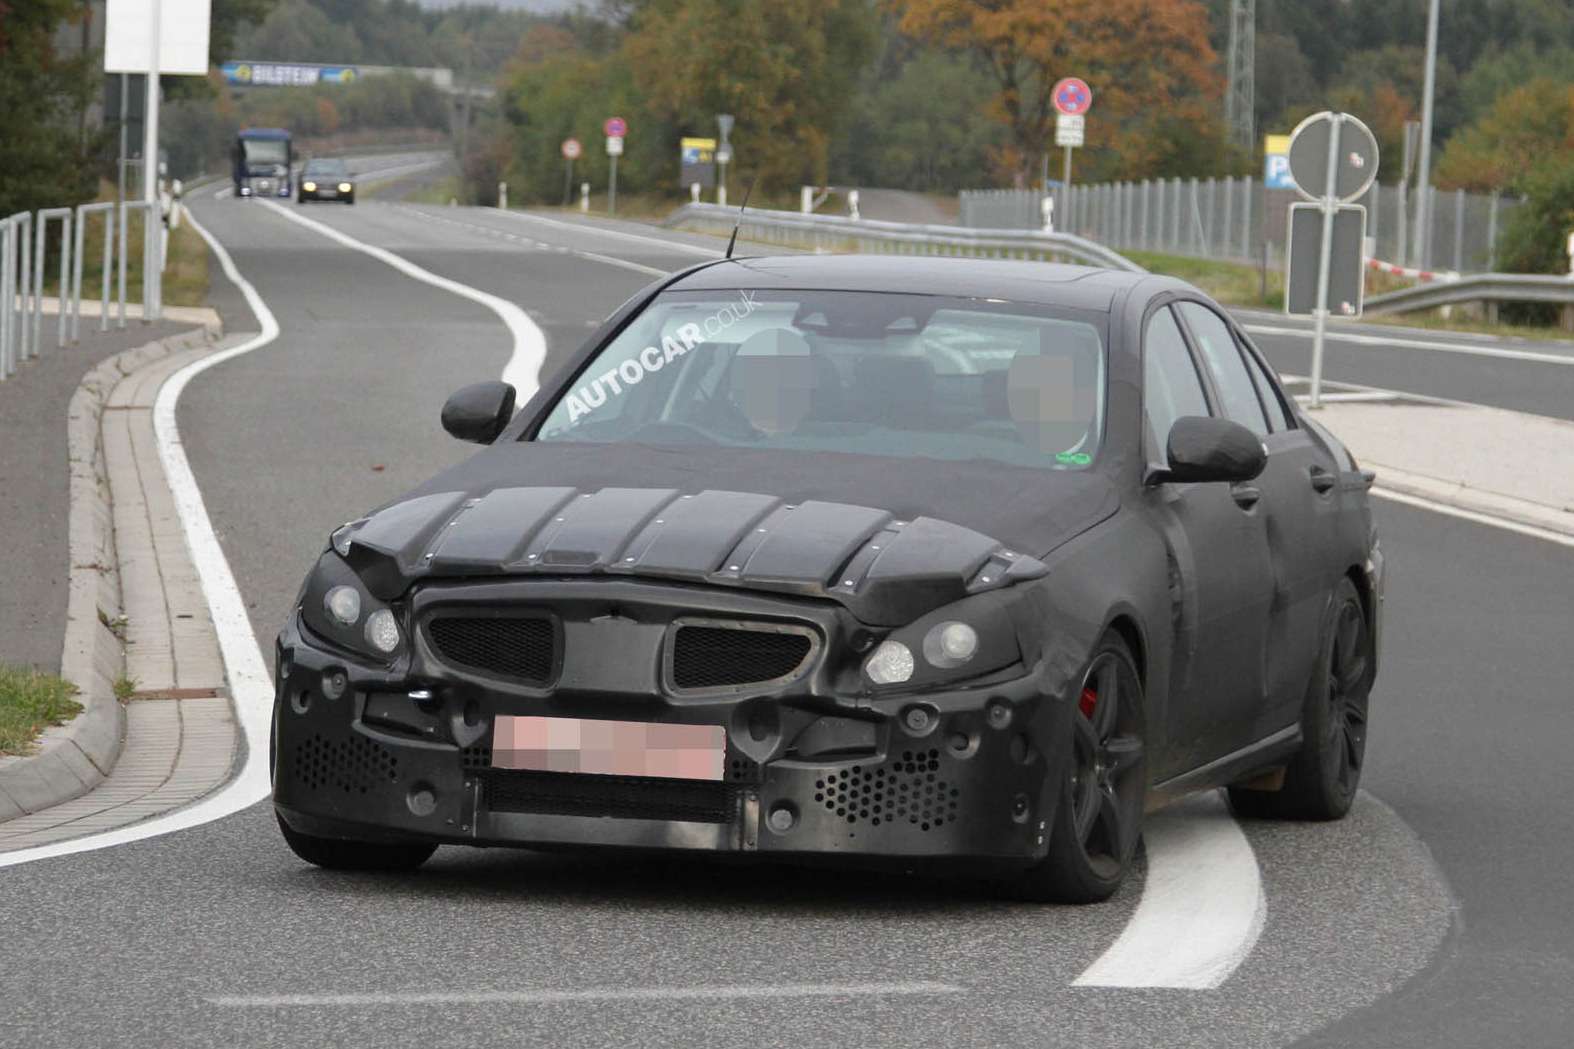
x=734, y=238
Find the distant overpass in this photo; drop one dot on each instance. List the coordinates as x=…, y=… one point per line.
x=245, y=73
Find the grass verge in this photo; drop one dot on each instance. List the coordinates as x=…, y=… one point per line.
x=31, y=701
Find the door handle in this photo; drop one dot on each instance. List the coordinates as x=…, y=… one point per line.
x=1322, y=480
x=1245, y=495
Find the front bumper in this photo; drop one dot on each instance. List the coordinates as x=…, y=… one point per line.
x=808, y=771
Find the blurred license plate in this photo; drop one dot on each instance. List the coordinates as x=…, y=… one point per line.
x=609, y=748
x=327, y=193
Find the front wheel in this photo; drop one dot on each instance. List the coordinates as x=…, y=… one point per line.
x=1102, y=785
x=336, y=854
x=1321, y=780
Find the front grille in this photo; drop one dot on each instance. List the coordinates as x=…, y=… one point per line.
x=513, y=647
x=717, y=656
x=625, y=797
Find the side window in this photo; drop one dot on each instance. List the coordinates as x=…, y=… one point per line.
x=1218, y=348
x=1277, y=416
x=1170, y=386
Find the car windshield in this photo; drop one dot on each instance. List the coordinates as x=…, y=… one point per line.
x=327, y=168
x=874, y=373
x=265, y=150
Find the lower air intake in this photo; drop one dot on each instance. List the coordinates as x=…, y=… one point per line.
x=624, y=797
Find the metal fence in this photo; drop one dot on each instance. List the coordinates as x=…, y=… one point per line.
x=24, y=243
x=1241, y=220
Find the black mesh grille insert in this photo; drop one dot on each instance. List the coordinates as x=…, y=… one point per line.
x=504, y=647
x=626, y=797
x=709, y=656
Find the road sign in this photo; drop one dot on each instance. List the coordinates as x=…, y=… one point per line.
x=572, y=149
x=182, y=31
x=1355, y=165
x=1069, y=129
x=1276, y=162
x=724, y=121
x=1072, y=96
x=696, y=161
x=1346, y=267
x=614, y=145
x=615, y=127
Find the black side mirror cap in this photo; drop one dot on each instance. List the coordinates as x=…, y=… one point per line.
x=478, y=413
x=1208, y=449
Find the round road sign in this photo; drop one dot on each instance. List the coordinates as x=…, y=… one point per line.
x=1355, y=166
x=1072, y=96
x=572, y=148
x=615, y=127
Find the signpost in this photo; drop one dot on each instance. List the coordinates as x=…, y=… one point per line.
x=154, y=37
x=1333, y=160
x=571, y=151
x=614, y=128
x=724, y=122
x=1073, y=98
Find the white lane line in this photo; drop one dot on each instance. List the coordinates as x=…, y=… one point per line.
x=523, y=370
x=1202, y=906
x=637, y=267
x=1419, y=344
x=1471, y=515
x=251, y=687
x=590, y=994
x=585, y=227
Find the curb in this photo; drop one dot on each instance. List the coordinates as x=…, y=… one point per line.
x=73, y=758
x=1475, y=500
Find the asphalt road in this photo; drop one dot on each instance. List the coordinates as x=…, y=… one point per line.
x=1436, y=915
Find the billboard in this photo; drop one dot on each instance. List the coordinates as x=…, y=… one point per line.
x=285, y=74
x=697, y=162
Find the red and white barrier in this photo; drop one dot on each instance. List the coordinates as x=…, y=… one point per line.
x=1405, y=271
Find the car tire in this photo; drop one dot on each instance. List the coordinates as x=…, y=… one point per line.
x=340, y=855
x=1103, y=782
x=1321, y=780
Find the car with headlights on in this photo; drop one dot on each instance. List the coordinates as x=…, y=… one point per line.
x=916, y=562
x=326, y=178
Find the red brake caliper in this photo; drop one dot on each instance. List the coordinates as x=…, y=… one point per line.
x=1088, y=701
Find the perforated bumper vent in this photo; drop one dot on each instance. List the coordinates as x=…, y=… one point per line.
x=625, y=797
x=908, y=790
x=350, y=766
x=709, y=655
x=518, y=648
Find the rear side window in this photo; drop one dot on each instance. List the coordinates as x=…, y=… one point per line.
x=1171, y=388
x=1218, y=348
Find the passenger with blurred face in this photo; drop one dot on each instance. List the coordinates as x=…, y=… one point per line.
x=772, y=380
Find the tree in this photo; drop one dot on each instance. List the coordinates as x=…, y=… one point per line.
x=1527, y=129
x=1150, y=64
x=46, y=159
x=1534, y=240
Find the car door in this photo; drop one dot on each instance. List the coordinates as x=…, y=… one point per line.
x=1219, y=567
x=1296, y=502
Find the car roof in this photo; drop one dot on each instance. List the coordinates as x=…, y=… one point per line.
x=1045, y=283
x=264, y=132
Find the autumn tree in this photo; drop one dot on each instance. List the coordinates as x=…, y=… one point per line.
x=1152, y=69
x=45, y=148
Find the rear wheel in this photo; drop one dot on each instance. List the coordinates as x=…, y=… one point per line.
x=336, y=854
x=1321, y=780
x=1103, y=785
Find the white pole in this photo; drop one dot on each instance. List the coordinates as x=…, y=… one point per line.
x=1424, y=179
x=152, y=261
x=1325, y=258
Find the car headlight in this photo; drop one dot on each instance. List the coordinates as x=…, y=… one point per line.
x=336, y=607
x=344, y=187
x=343, y=603
x=891, y=664
x=964, y=640
x=382, y=631
x=310, y=187
x=950, y=644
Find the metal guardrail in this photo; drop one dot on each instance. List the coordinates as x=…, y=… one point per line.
x=839, y=231
x=1490, y=288
x=23, y=254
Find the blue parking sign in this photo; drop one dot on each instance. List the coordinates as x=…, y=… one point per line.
x=1276, y=162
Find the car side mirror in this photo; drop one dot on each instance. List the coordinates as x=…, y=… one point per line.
x=1209, y=449
x=478, y=413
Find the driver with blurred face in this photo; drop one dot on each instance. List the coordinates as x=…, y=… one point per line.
x=772, y=380
x=1051, y=395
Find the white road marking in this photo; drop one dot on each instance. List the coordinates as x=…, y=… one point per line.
x=1471, y=515
x=585, y=227
x=523, y=370
x=610, y=260
x=590, y=994
x=250, y=684
x=1202, y=906
x=1419, y=344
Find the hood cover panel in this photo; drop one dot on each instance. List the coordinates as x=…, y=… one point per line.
x=885, y=570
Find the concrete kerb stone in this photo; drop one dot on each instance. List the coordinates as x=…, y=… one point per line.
x=73, y=758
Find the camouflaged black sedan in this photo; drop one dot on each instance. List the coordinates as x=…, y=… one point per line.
x=916, y=562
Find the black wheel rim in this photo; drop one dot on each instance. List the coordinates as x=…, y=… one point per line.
x=1348, y=686
x=1107, y=762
